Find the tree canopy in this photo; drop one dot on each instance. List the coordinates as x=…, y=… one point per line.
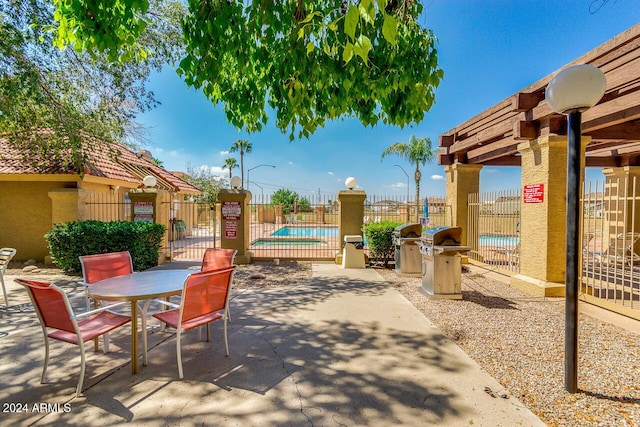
x=290, y=201
x=308, y=61
x=52, y=99
x=208, y=182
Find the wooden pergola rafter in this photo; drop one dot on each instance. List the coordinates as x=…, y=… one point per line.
x=492, y=137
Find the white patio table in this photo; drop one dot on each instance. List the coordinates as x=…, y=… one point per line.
x=136, y=287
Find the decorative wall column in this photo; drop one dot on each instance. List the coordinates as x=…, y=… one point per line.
x=543, y=215
x=152, y=205
x=462, y=180
x=235, y=214
x=351, y=216
x=68, y=204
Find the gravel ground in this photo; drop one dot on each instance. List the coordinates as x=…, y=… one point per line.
x=518, y=339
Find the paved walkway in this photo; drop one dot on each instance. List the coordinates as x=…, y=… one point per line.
x=342, y=349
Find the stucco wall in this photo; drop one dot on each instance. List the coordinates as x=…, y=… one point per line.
x=25, y=211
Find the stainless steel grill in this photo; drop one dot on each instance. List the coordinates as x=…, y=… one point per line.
x=441, y=251
x=407, y=255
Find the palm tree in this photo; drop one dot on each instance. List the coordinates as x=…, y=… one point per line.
x=244, y=147
x=417, y=151
x=230, y=163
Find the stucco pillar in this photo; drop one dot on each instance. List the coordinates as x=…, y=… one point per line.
x=543, y=215
x=351, y=215
x=153, y=205
x=235, y=214
x=68, y=204
x=623, y=207
x=462, y=180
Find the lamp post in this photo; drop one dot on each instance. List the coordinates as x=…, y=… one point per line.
x=262, y=189
x=255, y=167
x=571, y=92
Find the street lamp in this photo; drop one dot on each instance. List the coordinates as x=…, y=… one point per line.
x=407, y=175
x=571, y=92
x=255, y=167
x=262, y=189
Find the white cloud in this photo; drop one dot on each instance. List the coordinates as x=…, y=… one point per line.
x=330, y=173
x=224, y=153
x=437, y=177
x=397, y=185
x=290, y=163
x=215, y=170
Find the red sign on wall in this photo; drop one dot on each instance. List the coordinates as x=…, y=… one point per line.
x=533, y=193
x=231, y=229
x=231, y=210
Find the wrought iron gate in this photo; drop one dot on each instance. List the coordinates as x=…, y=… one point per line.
x=193, y=228
x=306, y=229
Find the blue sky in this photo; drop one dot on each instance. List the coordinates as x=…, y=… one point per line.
x=488, y=49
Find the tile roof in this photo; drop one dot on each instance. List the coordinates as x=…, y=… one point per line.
x=114, y=162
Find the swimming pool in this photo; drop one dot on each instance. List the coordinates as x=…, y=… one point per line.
x=275, y=243
x=498, y=240
x=291, y=231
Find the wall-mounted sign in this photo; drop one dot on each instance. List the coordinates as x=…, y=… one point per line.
x=231, y=210
x=533, y=193
x=230, y=229
x=142, y=211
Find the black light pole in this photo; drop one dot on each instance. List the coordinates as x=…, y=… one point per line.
x=574, y=190
x=571, y=92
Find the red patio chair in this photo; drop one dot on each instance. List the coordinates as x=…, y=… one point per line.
x=103, y=266
x=98, y=267
x=204, y=295
x=55, y=312
x=216, y=258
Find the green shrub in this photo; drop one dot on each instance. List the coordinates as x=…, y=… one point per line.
x=379, y=237
x=67, y=241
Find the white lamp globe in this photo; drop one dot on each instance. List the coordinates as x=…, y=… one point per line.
x=576, y=88
x=149, y=181
x=350, y=183
x=235, y=182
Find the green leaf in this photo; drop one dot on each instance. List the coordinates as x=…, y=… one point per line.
x=351, y=22
x=347, y=54
x=390, y=29
x=362, y=47
x=310, y=47
x=367, y=10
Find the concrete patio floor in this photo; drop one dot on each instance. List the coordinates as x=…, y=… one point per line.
x=343, y=348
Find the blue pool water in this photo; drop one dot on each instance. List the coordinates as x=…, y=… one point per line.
x=306, y=232
x=498, y=240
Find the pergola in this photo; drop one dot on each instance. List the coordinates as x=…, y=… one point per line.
x=524, y=131
x=492, y=137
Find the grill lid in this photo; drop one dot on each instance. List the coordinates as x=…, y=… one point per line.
x=408, y=230
x=442, y=236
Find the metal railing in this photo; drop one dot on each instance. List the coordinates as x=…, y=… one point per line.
x=493, y=228
x=304, y=229
x=611, y=246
